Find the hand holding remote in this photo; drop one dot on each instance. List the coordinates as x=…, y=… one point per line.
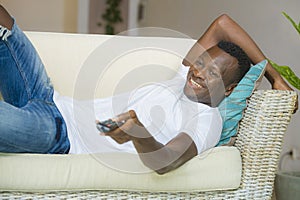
x=131, y=129
x=108, y=125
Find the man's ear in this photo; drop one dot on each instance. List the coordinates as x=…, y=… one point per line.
x=230, y=88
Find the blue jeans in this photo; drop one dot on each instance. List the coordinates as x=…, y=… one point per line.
x=29, y=119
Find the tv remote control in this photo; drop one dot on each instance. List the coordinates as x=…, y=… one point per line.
x=108, y=125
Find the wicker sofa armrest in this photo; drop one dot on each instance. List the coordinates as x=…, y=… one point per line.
x=259, y=140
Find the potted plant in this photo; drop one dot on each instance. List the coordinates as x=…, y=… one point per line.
x=112, y=16
x=287, y=183
x=284, y=70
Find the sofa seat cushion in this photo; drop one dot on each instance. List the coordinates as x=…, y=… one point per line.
x=216, y=169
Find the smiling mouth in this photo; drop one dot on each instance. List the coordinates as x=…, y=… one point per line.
x=194, y=84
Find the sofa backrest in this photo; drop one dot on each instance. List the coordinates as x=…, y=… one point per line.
x=91, y=66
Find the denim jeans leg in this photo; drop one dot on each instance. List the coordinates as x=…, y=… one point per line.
x=22, y=75
x=26, y=130
x=28, y=116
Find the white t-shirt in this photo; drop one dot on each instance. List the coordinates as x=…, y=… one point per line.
x=162, y=108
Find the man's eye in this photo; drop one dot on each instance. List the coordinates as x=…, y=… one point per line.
x=213, y=73
x=199, y=63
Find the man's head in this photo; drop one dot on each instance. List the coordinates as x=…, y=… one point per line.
x=215, y=73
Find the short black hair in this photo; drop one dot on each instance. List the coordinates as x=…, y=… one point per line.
x=243, y=60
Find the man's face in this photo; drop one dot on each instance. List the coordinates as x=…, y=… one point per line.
x=211, y=76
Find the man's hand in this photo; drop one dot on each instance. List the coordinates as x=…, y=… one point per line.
x=282, y=85
x=296, y=106
x=131, y=129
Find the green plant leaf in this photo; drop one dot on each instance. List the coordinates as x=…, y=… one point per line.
x=111, y=16
x=109, y=29
x=297, y=27
x=288, y=74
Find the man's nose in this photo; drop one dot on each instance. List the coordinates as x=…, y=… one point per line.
x=199, y=72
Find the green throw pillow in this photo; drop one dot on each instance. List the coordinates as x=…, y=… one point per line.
x=233, y=106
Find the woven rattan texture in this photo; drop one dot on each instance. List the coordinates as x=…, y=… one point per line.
x=259, y=140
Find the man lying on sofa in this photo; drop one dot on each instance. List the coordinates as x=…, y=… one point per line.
x=34, y=119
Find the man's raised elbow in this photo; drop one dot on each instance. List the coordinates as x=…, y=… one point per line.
x=223, y=20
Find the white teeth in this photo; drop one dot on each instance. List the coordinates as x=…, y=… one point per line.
x=195, y=83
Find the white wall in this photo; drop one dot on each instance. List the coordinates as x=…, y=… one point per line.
x=261, y=19
x=44, y=15
x=83, y=16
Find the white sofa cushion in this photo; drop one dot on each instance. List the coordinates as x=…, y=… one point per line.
x=216, y=169
x=79, y=62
